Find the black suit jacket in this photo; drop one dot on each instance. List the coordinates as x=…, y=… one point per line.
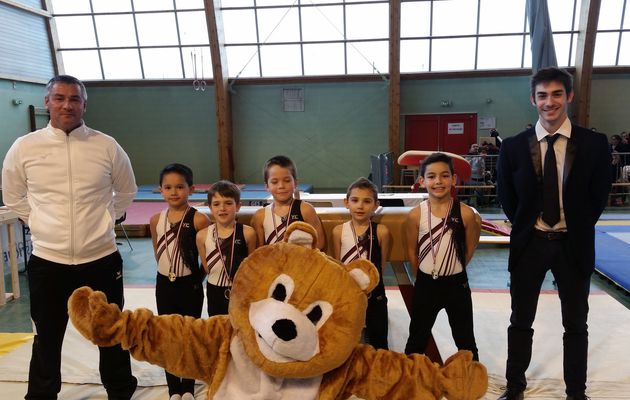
x=586, y=184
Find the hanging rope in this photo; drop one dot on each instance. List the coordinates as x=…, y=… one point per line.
x=331, y=23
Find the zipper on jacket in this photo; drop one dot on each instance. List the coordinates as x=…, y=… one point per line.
x=71, y=193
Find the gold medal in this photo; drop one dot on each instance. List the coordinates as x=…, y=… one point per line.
x=226, y=271
x=434, y=251
x=173, y=267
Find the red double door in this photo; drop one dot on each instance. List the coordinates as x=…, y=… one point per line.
x=444, y=132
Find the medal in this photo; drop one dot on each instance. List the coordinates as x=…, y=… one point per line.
x=287, y=219
x=172, y=275
x=356, y=241
x=434, y=252
x=227, y=272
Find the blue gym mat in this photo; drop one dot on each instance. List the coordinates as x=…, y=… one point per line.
x=246, y=187
x=248, y=198
x=612, y=255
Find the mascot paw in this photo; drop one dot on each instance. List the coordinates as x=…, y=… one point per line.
x=464, y=379
x=93, y=317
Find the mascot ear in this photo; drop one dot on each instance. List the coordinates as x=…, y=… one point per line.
x=302, y=234
x=364, y=273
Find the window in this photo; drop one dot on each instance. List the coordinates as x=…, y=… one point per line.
x=133, y=39
x=168, y=39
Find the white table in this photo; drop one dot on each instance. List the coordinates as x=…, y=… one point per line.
x=9, y=218
x=336, y=199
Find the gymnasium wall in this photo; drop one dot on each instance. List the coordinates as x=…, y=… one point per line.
x=504, y=98
x=14, y=121
x=159, y=125
x=610, y=103
x=343, y=123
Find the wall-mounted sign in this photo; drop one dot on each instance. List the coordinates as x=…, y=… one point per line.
x=487, y=122
x=455, y=128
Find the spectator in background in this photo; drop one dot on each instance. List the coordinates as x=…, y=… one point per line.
x=497, y=139
x=478, y=173
x=619, y=152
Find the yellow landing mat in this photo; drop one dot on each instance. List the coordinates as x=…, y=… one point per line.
x=11, y=341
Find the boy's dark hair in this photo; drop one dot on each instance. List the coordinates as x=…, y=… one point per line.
x=437, y=157
x=552, y=74
x=225, y=189
x=180, y=169
x=69, y=80
x=282, y=161
x=363, y=183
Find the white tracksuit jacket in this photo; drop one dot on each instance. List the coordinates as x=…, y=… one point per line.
x=69, y=189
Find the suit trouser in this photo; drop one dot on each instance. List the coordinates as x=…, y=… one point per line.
x=527, y=277
x=184, y=296
x=450, y=293
x=50, y=286
x=376, y=318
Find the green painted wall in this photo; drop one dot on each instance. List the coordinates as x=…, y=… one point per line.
x=610, y=103
x=331, y=141
x=505, y=98
x=14, y=120
x=158, y=126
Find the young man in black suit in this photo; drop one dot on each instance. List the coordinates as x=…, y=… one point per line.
x=553, y=213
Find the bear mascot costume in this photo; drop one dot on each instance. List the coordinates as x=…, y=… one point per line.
x=293, y=332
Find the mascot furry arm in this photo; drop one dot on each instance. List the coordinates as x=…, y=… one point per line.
x=293, y=331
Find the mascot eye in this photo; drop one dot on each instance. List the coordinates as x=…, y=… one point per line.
x=318, y=313
x=280, y=292
x=281, y=288
x=315, y=315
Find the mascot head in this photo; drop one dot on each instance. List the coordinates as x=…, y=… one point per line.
x=298, y=312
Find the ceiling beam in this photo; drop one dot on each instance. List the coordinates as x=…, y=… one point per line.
x=589, y=16
x=221, y=89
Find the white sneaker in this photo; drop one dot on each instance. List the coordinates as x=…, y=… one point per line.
x=188, y=396
x=176, y=397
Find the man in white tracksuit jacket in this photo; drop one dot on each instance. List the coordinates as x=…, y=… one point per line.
x=70, y=184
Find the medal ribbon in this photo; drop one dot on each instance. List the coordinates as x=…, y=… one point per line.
x=434, y=251
x=172, y=272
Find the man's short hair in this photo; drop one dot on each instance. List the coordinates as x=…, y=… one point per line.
x=437, y=157
x=225, y=189
x=552, y=74
x=180, y=169
x=68, y=80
